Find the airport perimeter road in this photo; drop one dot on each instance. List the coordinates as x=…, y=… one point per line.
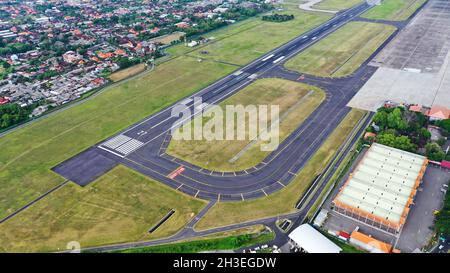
x=142, y=146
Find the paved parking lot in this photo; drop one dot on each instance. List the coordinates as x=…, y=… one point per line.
x=419, y=225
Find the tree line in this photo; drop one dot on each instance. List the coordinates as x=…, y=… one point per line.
x=12, y=114
x=278, y=17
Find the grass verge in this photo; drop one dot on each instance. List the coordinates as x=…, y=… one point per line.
x=208, y=244
x=296, y=102
x=29, y=153
x=252, y=38
x=394, y=10
x=342, y=52
x=118, y=207
x=336, y=4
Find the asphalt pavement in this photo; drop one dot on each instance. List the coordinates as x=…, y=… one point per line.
x=142, y=146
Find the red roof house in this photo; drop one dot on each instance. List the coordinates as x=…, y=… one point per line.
x=415, y=108
x=3, y=100
x=439, y=113
x=445, y=164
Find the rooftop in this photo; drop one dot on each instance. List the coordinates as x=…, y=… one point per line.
x=370, y=241
x=383, y=185
x=312, y=241
x=440, y=112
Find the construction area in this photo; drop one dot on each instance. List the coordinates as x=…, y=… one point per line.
x=414, y=68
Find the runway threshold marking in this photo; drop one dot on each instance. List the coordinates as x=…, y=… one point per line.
x=176, y=172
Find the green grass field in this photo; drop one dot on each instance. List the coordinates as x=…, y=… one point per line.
x=211, y=243
x=294, y=99
x=29, y=153
x=121, y=206
x=103, y=213
x=394, y=10
x=337, y=4
x=342, y=52
x=283, y=201
x=250, y=39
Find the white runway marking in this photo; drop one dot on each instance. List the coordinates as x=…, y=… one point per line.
x=268, y=57
x=121, y=144
x=116, y=141
x=279, y=59
x=129, y=147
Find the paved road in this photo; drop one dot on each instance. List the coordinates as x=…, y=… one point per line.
x=297, y=217
x=142, y=146
x=442, y=247
x=336, y=88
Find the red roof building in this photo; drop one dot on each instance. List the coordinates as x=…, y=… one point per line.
x=445, y=164
x=439, y=113
x=415, y=108
x=3, y=100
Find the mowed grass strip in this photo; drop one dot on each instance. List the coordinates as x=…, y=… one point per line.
x=336, y=4
x=297, y=100
x=120, y=206
x=394, y=10
x=235, y=240
x=283, y=201
x=252, y=42
x=29, y=153
x=342, y=52
x=127, y=72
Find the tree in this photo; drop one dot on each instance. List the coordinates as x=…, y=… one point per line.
x=444, y=124
x=434, y=152
x=443, y=217
x=380, y=119
x=424, y=134
x=12, y=113
x=395, y=120
x=398, y=142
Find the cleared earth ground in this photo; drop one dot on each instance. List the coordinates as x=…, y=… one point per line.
x=296, y=102
x=250, y=40
x=283, y=201
x=29, y=153
x=342, y=52
x=394, y=10
x=127, y=72
x=336, y=4
x=121, y=206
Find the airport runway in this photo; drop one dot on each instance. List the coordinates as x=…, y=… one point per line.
x=142, y=146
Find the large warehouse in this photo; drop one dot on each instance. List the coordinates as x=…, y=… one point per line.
x=382, y=187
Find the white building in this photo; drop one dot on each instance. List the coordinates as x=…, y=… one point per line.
x=312, y=241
